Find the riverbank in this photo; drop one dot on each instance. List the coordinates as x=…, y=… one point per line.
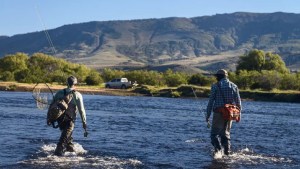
x=203, y=92
x=92, y=90
x=174, y=92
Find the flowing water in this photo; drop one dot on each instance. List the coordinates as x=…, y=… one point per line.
x=147, y=132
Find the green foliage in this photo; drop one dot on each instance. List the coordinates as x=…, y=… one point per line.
x=175, y=78
x=7, y=76
x=175, y=94
x=144, y=77
x=201, y=80
x=39, y=68
x=109, y=74
x=266, y=80
x=274, y=62
x=290, y=81
x=93, y=78
x=14, y=63
x=44, y=68
x=246, y=79
x=269, y=80
x=258, y=60
x=257, y=70
x=254, y=60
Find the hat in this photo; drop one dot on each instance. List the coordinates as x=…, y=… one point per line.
x=222, y=72
x=72, y=80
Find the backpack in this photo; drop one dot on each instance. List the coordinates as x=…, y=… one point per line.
x=58, y=107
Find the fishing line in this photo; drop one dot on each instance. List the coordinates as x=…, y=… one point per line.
x=45, y=31
x=42, y=93
x=208, y=123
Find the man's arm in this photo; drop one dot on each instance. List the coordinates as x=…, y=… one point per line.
x=81, y=110
x=237, y=98
x=210, y=104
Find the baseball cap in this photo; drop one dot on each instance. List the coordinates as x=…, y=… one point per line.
x=222, y=72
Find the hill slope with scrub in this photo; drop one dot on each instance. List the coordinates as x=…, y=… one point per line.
x=205, y=43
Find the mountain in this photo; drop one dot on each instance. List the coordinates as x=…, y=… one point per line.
x=206, y=43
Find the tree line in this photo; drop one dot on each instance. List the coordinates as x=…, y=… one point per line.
x=43, y=68
x=255, y=70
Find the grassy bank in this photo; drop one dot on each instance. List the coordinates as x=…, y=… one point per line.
x=197, y=91
x=175, y=92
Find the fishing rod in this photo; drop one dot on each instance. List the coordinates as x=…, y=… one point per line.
x=208, y=123
x=40, y=91
x=45, y=30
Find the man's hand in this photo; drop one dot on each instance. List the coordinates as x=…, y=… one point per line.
x=48, y=123
x=239, y=119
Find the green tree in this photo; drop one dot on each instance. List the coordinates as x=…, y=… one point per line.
x=247, y=79
x=200, y=79
x=175, y=79
x=269, y=80
x=274, y=62
x=254, y=60
x=93, y=78
x=45, y=68
x=290, y=82
x=109, y=74
x=14, y=63
x=258, y=60
x=144, y=77
x=82, y=71
x=7, y=76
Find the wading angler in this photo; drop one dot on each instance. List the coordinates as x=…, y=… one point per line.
x=225, y=102
x=63, y=110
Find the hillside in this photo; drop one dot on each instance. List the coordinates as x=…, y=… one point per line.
x=205, y=43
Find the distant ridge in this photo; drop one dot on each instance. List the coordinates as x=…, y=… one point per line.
x=205, y=43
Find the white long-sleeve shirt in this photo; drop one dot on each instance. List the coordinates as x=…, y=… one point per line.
x=77, y=100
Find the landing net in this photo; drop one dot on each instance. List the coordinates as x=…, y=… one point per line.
x=43, y=95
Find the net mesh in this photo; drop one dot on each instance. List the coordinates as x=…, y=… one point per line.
x=42, y=95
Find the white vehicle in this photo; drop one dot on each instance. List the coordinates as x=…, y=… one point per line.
x=121, y=83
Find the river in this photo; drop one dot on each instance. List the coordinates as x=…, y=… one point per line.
x=148, y=132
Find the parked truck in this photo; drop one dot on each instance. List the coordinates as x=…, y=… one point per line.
x=120, y=83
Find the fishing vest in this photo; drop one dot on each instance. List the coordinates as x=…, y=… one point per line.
x=72, y=108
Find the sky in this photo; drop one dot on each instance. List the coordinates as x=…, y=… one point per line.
x=24, y=16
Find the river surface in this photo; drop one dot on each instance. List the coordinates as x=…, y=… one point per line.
x=147, y=132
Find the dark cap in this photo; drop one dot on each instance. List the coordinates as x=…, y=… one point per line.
x=222, y=72
x=72, y=80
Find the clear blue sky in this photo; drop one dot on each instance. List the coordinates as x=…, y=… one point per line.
x=23, y=16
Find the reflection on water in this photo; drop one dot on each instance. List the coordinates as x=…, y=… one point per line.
x=147, y=132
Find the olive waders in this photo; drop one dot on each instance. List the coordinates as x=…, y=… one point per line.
x=66, y=125
x=220, y=133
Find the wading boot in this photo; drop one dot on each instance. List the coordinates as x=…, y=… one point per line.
x=59, y=151
x=227, y=150
x=70, y=148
